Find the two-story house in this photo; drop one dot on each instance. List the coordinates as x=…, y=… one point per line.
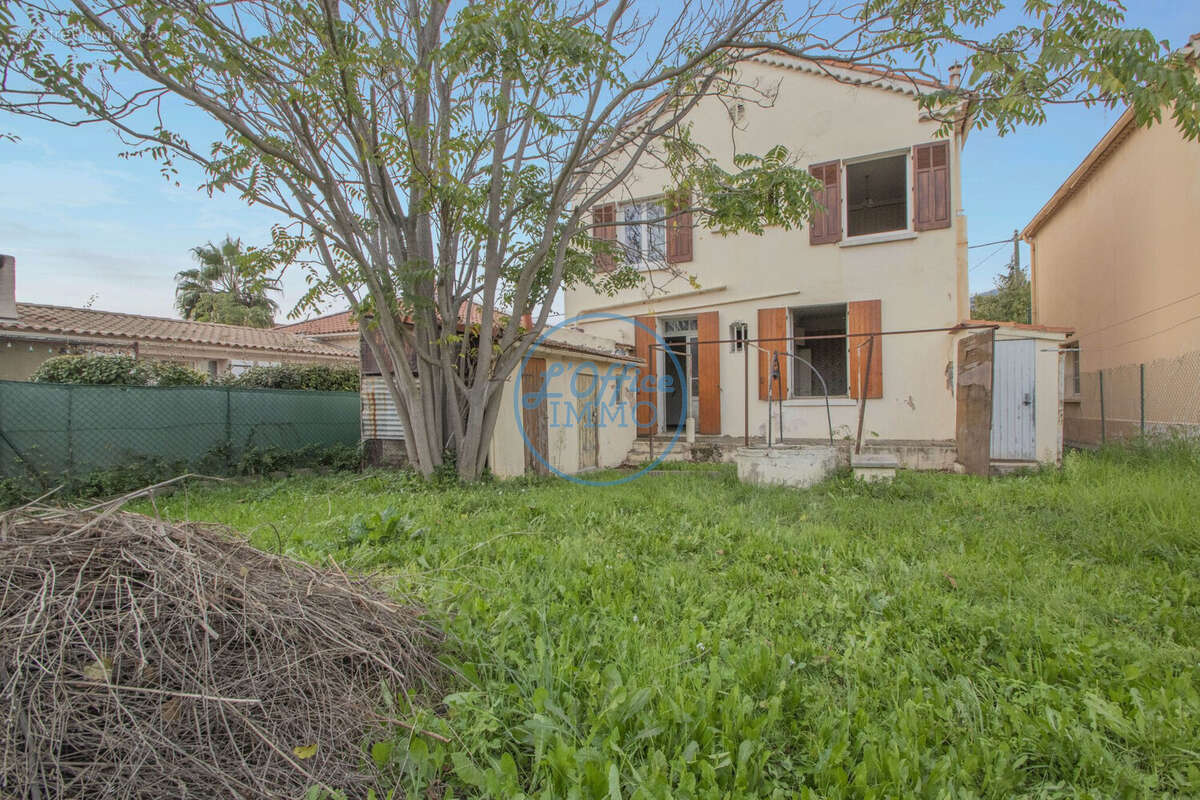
x=887, y=253
x=1115, y=257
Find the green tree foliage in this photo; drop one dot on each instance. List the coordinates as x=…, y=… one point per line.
x=115, y=370
x=1011, y=302
x=431, y=156
x=227, y=285
x=314, y=377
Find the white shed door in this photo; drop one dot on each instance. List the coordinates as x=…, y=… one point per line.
x=1014, y=436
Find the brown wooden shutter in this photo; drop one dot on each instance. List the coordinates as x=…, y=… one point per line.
x=647, y=401
x=604, y=218
x=826, y=225
x=679, y=229
x=865, y=316
x=772, y=324
x=708, y=369
x=931, y=186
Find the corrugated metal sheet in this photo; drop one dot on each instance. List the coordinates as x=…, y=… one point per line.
x=379, y=417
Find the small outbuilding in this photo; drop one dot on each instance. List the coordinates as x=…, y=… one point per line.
x=1009, y=389
x=569, y=409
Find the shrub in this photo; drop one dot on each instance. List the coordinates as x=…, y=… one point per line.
x=312, y=377
x=138, y=471
x=116, y=371
x=167, y=374
x=108, y=370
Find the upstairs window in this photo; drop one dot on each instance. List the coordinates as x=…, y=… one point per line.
x=877, y=195
x=643, y=231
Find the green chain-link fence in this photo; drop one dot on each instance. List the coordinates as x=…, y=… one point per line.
x=71, y=431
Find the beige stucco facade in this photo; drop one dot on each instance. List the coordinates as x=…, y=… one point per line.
x=1115, y=257
x=918, y=277
x=614, y=433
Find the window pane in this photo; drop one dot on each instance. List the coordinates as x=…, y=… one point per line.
x=827, y=356
x=631, y=235
x=657, y=232
x=877, y=196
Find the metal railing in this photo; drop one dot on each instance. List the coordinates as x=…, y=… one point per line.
x=775, y=357
x=777, y=378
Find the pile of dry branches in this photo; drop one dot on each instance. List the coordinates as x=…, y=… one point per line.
x=140, y=658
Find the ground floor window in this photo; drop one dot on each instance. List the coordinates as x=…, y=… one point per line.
x=827, y=356
x=1071, y=358
x=739, y=332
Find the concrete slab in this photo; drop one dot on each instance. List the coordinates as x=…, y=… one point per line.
x=786, y=465
x=874, y=467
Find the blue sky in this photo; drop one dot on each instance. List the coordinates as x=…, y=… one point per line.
x=89, y=227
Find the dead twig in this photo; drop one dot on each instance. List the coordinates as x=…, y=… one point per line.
x=145, y=659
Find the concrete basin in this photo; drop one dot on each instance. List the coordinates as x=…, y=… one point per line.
x=786, y=465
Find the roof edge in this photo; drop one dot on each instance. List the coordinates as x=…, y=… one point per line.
x=1032, y=327
x=893, y=81
x=66, y=332
x=346, y=311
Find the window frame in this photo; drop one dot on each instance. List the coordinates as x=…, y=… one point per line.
x=1072, y=383
x=645, y=259
x=908, y=195
x=792, y=312
x=739, y=336
x=691, y=336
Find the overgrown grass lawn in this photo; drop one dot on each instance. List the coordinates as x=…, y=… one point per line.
x=686, y=636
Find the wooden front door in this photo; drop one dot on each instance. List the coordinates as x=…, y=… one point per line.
x=973, y=421
x=588, y=417
x=535, y=420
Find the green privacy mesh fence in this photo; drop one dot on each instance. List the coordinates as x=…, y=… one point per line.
x=58, y=429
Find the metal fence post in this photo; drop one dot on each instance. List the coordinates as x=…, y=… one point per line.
x=1142, y=395
x=746, y=386
x=70, y=431
x=1103, y=427
x=228, y=424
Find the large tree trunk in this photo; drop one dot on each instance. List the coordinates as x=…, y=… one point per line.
x=480, y=429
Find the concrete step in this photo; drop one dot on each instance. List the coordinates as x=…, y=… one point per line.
x=874, y=467
x=1009, y=467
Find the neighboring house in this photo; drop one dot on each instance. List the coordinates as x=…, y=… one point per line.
x=1116, y=256
x=30, y=333
x=338, y=329
x=886, y=253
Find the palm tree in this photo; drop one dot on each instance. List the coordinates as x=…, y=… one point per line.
x=226, y=286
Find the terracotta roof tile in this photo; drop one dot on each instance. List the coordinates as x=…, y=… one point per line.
x=343, y=322
x=339, y=322
x=66, y=321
